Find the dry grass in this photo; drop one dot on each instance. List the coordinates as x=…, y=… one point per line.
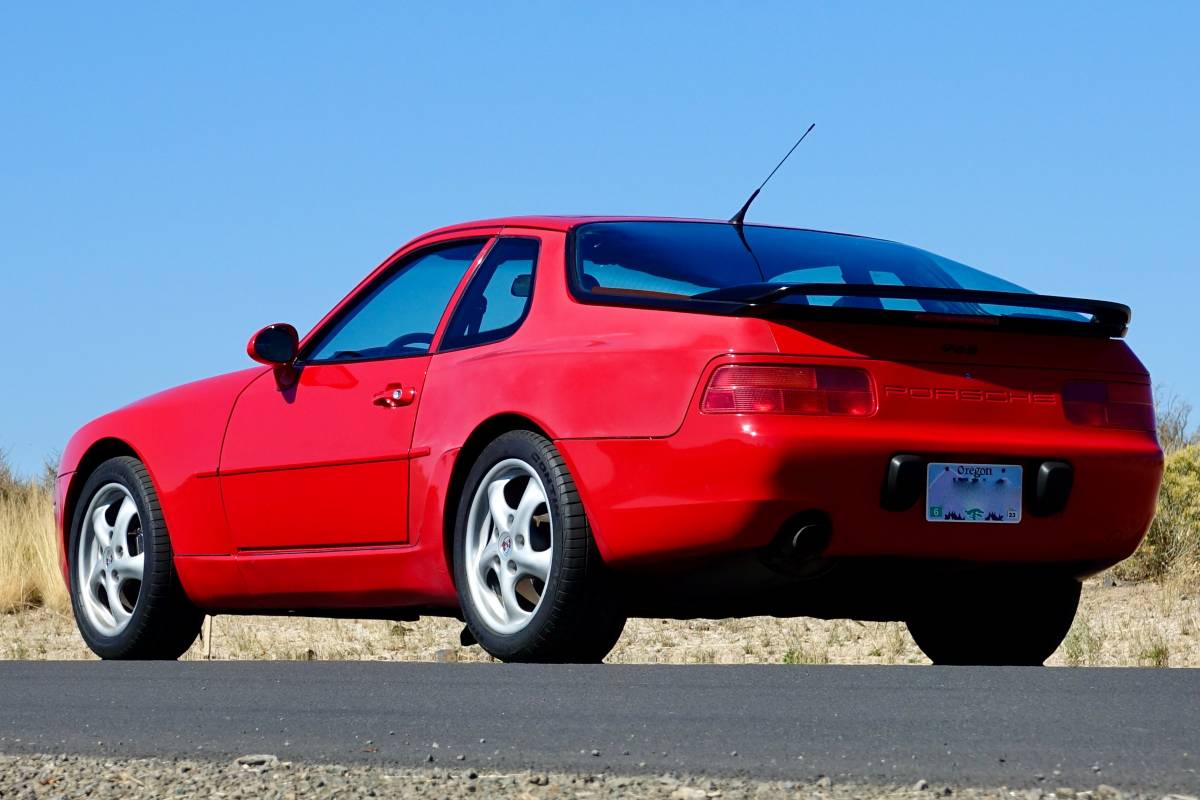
x=1147, y=624
x=29, y=574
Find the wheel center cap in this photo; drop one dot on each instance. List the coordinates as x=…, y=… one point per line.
x=506, y=545
x=108, y=557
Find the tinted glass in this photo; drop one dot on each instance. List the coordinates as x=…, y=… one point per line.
x=497, y=297
x=680, y=260
x=398, y=316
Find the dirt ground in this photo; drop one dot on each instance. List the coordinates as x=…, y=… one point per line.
x=263, y=775
x=1117, y=625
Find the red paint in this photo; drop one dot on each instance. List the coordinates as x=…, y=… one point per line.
x=327, y=494
x=320, y=463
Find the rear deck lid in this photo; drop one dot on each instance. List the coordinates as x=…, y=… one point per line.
x=959, y=346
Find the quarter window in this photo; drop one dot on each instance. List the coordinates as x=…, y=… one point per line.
x=497, y=298
x=399, y=315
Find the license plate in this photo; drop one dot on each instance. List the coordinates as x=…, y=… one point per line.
x=973, y=493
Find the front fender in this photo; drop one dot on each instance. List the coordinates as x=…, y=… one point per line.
x=177, y=434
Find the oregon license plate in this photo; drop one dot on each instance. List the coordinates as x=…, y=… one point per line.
x=973, y=493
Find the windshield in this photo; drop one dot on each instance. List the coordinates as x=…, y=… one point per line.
x=655, y=260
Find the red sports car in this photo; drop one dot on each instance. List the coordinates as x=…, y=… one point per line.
x=546, y=425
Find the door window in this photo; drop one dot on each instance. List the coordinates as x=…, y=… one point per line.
x=497, y=298
x=399, y=315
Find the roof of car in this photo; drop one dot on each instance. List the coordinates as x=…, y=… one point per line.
x=554, y=222
x=565, y=222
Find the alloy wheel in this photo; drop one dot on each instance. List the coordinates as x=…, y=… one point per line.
x=509, y=546
x=111, y=559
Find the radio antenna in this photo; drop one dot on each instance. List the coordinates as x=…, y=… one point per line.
x=739, y=219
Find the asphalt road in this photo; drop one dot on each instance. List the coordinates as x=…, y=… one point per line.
x=1072, y=727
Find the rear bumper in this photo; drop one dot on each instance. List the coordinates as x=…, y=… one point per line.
x=728, y=483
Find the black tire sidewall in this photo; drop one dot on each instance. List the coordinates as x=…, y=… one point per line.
x=120, y=470
x=527, y=447
x=1013, y=622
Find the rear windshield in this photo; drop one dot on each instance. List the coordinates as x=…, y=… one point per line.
x=641, y=262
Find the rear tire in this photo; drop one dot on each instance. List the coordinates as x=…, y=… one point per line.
x=126, y=598
x=530, y=580
x=1018, y=621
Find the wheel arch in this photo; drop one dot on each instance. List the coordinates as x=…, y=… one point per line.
x=483, y=435
x=96, y=454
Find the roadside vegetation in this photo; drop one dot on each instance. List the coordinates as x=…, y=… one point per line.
x=29, y=575
x=1172, y=547
x=1143, y=612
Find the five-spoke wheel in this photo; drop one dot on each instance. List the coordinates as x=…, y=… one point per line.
x=111, y=559
x=510, y=543
x=127, y=600
x=531, y=582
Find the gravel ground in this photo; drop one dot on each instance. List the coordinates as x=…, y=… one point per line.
x=265, y=776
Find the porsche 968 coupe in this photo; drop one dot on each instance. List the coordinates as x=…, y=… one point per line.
x=547, y=425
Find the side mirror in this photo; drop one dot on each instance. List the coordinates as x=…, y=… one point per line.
x=275, y=345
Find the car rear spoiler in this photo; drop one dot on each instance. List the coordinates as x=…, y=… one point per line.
x=1107, y=319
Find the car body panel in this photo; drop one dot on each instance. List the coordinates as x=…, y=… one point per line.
x=290, y=480
x=177, y=434
x=966, y=346
x=747, y=476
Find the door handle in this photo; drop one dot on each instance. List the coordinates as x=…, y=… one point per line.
x=395, y=395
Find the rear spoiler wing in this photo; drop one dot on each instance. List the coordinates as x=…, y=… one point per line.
x=1107, y=319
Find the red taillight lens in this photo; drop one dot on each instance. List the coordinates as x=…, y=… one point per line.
x=737, y=389
x=1109, y=405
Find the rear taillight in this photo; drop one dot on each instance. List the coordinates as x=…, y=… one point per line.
x=1109, y=405
x=760, y=389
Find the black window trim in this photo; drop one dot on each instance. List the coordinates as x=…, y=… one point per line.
x=487, y=240
x=471, y=279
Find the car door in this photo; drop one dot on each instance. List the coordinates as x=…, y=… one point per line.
x=324, y=462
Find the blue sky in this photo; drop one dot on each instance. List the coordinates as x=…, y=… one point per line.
x=174, y=176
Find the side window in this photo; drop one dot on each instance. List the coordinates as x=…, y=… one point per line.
x=497, y=297
x=398, y=316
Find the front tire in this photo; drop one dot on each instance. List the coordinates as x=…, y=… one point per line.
x=126, y=598
x=1017, y=620
x=529, y=578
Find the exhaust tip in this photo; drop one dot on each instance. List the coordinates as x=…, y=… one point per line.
x=799, y=546
x=809, y=541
